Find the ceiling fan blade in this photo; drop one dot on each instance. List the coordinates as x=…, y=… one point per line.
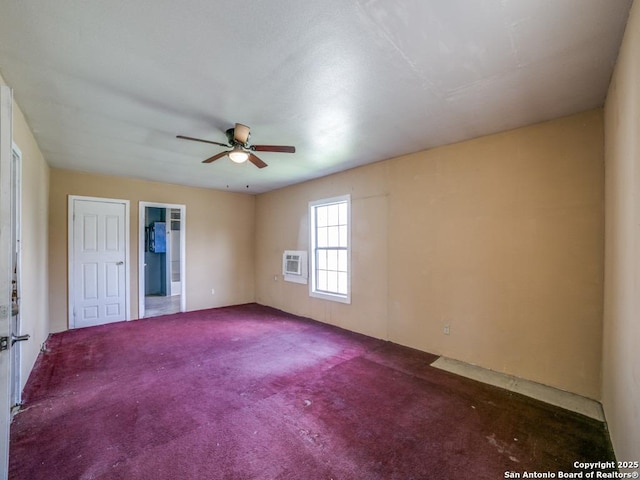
x=201, y=140
x=256, y=161
x=215, y=157
x=273, y=148
x=241, y=133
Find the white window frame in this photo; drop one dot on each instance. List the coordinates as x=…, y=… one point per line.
x=313, y=274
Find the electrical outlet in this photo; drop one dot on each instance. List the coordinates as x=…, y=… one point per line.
x=213, y=291
x=447, y=329
x=275, y=278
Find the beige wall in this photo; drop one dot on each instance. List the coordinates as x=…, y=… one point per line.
x=35, y=200
x=219, y=238
x=282, y=224
x=501, y=237
x=621, y=358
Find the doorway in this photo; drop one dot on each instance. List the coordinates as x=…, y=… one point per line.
x=161, y=270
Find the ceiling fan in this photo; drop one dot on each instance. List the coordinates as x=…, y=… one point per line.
x=241, y=150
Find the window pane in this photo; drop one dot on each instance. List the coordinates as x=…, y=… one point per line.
x=342, y=260
x=333, y=214
x=322, y=237
x=332, y=260
x=332, y=238
x=322, y=259
x=322, y=280
x=343, y=236
x=342, y=283
x=321, y=216
x=332, y=281
x=342, y=208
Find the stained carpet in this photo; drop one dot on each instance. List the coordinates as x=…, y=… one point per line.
x=250, y=392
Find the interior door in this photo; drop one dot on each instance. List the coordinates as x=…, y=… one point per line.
x=98, y=254
x=5, y=274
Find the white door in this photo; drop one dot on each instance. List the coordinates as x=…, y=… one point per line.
x=98, y=257
x=5, y=274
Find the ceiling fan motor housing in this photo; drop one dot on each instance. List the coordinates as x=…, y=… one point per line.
x=231, y=138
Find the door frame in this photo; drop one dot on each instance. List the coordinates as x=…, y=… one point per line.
x=70, y=262
x=142, y=206
x=16, y=193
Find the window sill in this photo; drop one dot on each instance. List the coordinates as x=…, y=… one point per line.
x=331, y=297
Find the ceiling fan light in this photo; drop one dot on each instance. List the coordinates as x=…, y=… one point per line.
x=238, y=156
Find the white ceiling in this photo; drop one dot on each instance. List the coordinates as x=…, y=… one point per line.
x=107, y=85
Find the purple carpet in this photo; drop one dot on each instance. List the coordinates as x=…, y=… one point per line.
x=250, y=392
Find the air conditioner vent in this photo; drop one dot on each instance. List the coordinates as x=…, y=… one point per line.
x=294, y=266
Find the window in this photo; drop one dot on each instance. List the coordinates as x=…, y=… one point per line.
x=330, y=249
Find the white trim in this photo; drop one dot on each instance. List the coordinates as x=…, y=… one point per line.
x=312, y=254
x=16, y=367
x=16, y=149
x=554, y=396
x=183, y=252
x=127, y=256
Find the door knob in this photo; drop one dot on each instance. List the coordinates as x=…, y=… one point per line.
x=120, y=263
x=19, y=338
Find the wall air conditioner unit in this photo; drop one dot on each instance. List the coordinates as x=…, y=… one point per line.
x=294, y=266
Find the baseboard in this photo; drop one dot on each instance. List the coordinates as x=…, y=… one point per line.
x=560, y=398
